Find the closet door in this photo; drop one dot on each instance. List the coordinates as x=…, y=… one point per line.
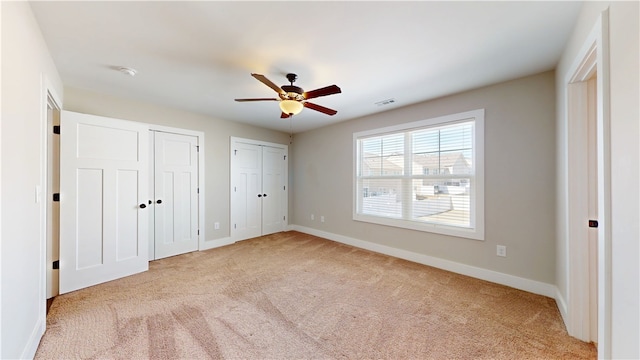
x=246, y=191
x=273, y=189
x=258, y=189
x=103, y=200
x=175, y=194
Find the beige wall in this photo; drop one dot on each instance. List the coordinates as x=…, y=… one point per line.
x=625, y=163
x=520, y=167
x=519, y=179
x=216, y=134
x=26, y=68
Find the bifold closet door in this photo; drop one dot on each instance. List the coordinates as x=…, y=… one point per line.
x=103, y=199
x=175, y=194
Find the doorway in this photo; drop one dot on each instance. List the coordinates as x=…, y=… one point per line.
x=583, y=202
x=588, y=193
x=52, y=207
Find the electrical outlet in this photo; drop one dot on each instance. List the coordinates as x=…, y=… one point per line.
x=322, y=218
x=313, y=217
x=216, y=225
x=501, y=250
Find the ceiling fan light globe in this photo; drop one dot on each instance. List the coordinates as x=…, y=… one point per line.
x=291, y=107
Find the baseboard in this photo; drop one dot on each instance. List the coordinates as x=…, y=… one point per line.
x=562, y=306
x=29, y=351
x=210, y=244
x=516, y=282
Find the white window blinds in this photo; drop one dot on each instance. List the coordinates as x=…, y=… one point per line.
x=422, y=175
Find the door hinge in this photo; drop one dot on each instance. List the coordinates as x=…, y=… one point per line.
x=56, y=197
x=235, y=226
x=284, y=187
x=284, y=218
x=235, y=189
x=235, y=152
x=198, y=231
x=56, y=264
x=56, y=129
x=285, y=157
x=593, y=223
x=198, y=190
x=198, y=148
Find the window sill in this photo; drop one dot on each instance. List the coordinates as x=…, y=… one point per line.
x=468, y=233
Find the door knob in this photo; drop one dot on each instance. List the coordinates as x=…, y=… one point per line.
x=159, y=201
x=259, y=195
x=142, y=206
x=265, y=195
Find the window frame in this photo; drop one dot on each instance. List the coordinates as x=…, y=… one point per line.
x=476, y=230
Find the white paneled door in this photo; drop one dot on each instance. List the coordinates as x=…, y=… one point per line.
x=103, y=199
x=175, y=198
x=274, y=189
x=258, y=188
x=246, y=192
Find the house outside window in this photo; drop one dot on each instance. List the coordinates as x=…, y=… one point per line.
x=425, y=175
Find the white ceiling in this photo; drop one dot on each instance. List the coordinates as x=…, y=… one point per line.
x=198, y=56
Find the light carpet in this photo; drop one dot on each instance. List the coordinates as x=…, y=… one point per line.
x=295, y=296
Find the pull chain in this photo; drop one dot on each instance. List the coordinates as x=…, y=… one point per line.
x=290, y=130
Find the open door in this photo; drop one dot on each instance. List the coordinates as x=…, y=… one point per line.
x=103, y=199
x=175, y=194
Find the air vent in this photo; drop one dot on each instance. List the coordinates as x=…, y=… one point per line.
x=385, y=102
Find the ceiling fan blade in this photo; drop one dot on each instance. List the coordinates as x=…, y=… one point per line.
x=268, y=82
x=284, y=116
x=322, y=109
x=328, y=90
x=258, y=99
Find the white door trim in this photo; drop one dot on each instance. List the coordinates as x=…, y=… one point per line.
x=257, y=142
x=48, y=92
x=593, y=57
x=201, y=176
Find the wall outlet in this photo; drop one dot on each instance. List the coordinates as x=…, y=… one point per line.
x=216, y=225
x=313, y=217
x=501, y=250
x=322, y=218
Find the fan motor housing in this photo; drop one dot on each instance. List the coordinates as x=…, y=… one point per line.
x=292, y=92
x=292, y=89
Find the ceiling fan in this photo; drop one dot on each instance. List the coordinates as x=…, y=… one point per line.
x=292, y=98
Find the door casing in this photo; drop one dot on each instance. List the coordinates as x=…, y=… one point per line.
x=591, y=63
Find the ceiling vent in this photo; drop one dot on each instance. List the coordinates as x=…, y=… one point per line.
x=385, y=102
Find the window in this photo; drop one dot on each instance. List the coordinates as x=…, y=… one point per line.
x=425, y=175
